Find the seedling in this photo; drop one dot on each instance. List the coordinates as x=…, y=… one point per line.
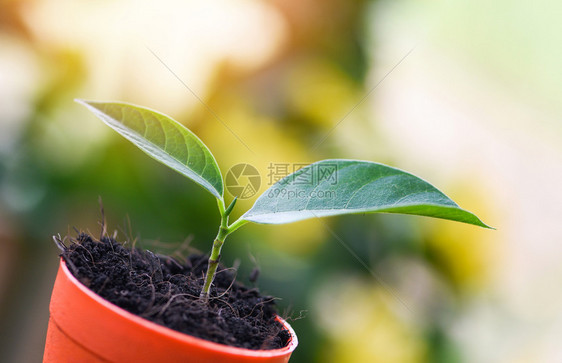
x=355, y=186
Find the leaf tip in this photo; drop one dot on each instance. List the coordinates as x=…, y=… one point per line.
x=484, y=225
x=480, y=223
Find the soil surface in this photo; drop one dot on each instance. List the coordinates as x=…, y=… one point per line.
x=166, y=291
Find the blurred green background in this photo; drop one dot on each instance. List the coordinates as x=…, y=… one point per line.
x=465, y=94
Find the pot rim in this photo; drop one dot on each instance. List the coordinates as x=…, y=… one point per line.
x=183, y=337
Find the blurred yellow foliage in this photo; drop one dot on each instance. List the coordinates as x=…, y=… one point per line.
x=321, y=92
x=365, y=324
x=465, y=252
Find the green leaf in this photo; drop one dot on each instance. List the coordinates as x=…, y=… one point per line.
x=164, y=139
x=335, y=187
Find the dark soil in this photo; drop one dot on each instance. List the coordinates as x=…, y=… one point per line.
x=165, y=291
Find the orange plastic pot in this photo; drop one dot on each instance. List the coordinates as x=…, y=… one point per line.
x=83, y=327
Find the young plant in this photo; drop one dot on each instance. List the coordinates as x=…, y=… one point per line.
x=355, y=186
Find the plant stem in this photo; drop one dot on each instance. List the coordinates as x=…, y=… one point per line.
x=234, y=226
x=214, y=258
x=213, y=262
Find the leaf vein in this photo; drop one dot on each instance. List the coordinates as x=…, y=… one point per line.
x=369, y=183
